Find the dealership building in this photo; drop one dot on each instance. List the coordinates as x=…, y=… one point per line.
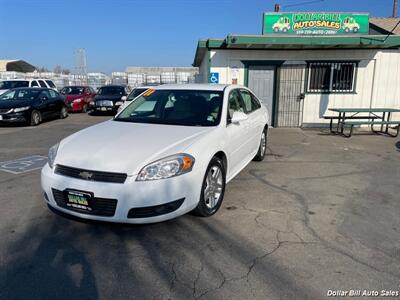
x=305, y=63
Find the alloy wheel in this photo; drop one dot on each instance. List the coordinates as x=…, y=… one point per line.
x=213, y=187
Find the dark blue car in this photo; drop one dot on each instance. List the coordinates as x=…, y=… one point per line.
x=31, y=105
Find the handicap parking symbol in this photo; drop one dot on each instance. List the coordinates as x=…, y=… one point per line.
x=214, y=77
x=23, y=165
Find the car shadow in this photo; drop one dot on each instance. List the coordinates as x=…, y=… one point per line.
x=60, y=257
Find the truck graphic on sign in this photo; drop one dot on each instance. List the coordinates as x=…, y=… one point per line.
x=350, y=25
x=282, y=25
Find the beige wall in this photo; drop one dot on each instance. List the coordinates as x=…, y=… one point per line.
x=379, y=67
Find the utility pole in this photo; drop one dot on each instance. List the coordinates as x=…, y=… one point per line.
x=394, y=9
x=277, y=7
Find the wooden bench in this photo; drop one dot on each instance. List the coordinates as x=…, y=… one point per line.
x=372, y=123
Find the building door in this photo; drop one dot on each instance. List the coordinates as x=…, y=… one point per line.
x=290, y=95
x=261, y=81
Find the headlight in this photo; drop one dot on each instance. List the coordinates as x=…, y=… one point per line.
x=170, y=166
x=77, y=100
x=19, y=109
x=52, y=154
x=119, y=103
x=91, y=103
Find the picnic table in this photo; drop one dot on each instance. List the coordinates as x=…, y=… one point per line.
x=364, y=116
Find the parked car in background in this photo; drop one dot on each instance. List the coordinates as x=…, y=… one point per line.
x=5, y=85
x=109, y=98
x=134, y=93
x=78, y=98
x=170, y=151
x=31, y=105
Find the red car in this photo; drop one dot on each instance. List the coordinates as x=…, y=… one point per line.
x=78, y=97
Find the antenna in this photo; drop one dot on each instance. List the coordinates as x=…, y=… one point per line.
x=80, y=61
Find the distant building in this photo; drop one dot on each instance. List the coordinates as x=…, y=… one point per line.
x=137, y=76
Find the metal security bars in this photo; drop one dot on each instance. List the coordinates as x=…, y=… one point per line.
x=331, y=77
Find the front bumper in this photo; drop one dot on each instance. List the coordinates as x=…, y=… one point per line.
x=131, y=195
x=75, y=107
x=13, y=117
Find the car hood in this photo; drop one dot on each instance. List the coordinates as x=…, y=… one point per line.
x=125, y=147
x=4, y=104
x=108, y=97
x=72, y=97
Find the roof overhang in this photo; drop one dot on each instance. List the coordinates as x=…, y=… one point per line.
x=16, y=65
x=269, y=42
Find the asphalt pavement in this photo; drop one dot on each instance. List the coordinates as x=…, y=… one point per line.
x=320, y=214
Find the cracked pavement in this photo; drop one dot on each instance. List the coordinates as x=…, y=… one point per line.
x=320, y=213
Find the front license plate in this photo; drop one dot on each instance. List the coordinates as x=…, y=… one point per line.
x=79, y=200
x=103, y=109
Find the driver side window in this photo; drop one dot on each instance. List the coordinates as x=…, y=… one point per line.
x=234, y=104
x=45, y=94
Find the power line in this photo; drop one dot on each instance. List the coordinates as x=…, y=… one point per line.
x=303, y=3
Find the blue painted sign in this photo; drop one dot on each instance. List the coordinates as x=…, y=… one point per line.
x=214, y=77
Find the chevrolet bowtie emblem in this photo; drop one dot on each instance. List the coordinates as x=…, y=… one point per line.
x=86, y=175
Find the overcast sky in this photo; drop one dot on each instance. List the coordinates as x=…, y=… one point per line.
x=121, y=33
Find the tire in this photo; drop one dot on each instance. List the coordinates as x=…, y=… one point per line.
x=63, y=112
x=84, y=108
x=36, y=118
x=355, y=29
x=262, y=149
x=215, y=180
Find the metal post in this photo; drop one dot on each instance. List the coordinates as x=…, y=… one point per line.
x=394, y=9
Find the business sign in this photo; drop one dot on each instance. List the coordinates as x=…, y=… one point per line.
x=315, y=23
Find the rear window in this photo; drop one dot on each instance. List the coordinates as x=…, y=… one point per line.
x=12, y=84
x=51, y=84
x=42, y=84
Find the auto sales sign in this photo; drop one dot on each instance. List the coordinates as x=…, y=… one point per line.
x=315, y=23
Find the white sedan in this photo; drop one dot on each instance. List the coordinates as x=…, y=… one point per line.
x=170, y=151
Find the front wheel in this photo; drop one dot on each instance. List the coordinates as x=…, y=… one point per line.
x=213, y=189
x=262, y=149
x=63, y=112
x=36, y=118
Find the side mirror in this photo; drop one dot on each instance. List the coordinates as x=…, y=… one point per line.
x=238, y=117
x=123, y=98
x=44, y=98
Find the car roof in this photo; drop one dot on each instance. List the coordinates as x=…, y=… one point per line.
x=113, y=85
x=25, y=79
x=30, y=88
x=192, y=86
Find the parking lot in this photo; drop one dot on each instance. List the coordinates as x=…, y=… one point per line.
x=320, y=213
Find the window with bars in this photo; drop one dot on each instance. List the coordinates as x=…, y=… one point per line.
x=331, y=77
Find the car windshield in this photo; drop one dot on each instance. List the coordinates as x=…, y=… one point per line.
x=12, y=84
x=175, y=107
x=136, y=92
x=111, y=90
x=72, y=90
x=20, y=94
